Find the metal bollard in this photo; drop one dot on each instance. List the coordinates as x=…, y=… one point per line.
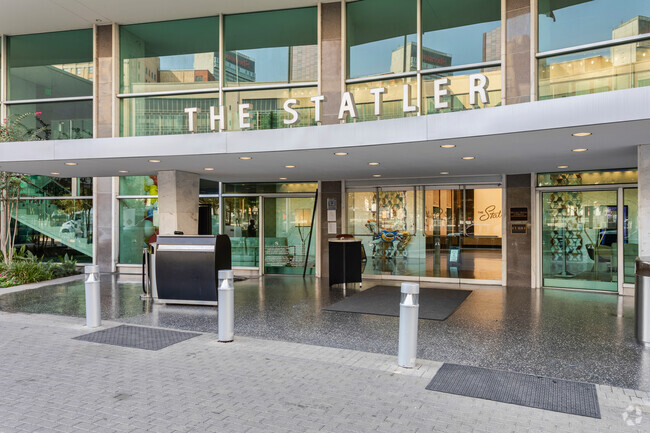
x=93, y=304
x=408, y=325
x=226, y=306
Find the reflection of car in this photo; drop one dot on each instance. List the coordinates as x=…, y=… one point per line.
x=71, y=226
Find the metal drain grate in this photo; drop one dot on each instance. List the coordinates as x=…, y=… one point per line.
x=556, y=395
x=138, y=337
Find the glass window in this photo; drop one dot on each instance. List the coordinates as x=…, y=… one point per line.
x=271, y=47
x=266, y=188
x=568, y=23
x=138, y=227
x=170, y=55
x=459, y=33
x=163, y=115
x=139, y=185
x=241, y=224
x=620, y=67
x=60, y=120
x=630, y=232
x=84, y=186
x=213, y=203
x=381, y=37
x=46, y=186
x=50, y=65
x=392, y=106
x=267, y=110
x=54, y=228
x=604, y=177
x=207, y=186
x=457, y=97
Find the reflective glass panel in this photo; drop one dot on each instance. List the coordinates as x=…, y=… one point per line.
x=392, y=101
x=287, y=226
x=139, y=185
x=602, y=177
x=630, y=232
x=241, y=224
x=266, y=110
x=381, y=37
x=46, y=186
x=265, y=188
x=138, y=227
x=620, y=67
x=84, y=186
x=567, y=23
x=271, y=47
x=170, y=55
x=165, y=115
x=580, y=239
x=50, y=65
x=54, y=228
x=56, y=120
x=457, y=96
x=460, y=32
x=213, y=203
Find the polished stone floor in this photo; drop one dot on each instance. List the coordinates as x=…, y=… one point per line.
x=565, y=334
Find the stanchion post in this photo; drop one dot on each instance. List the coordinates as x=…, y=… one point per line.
x=226, y=304
x=93, y=300
x=408, y=325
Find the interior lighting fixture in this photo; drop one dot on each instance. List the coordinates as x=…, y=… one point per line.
x=123, y=171
x=579, y=150
x=581, y=134
x=373, y=163
x=467, y=158
x=376, y=175
x=444, y=172
x=448, y=146
x=154, y=160
x=208, y=169
x=70, y=163
x=289, y=166
x=283, y=178
x=340, y=153
x=245, y=158
x=562, y=166
x=55, y=173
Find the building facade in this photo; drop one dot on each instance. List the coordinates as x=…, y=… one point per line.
x=499, y=142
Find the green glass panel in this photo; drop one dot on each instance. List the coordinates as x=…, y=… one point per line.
x=460, y=32
x=164, y=115
x=630, y=232
x=85, y=186
x=266, y=110
x=60, y=120
x=392, y=100
x=379, y=34
x=271, y=47
x=568, y=23
x=457, y=98
x=241, y=224
x=602, y=70
x=138, y=227
x=139, y=185
x=207, y=186
x=580, y=240
x=575, y=178
x=170, y=55
x=269, y=188
x=213, y=203
x=50, y=65
x=46, y=186
x=54, y=228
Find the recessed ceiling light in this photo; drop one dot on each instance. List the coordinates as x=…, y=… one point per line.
x=448, y=146
x=373, y=163
x=376, y=175
x=283, y=178
x=444, y=172
x=123, y=171
x=289, y=166
x=562, y=166
x=469, y=157
x=55, y=173
x=340, y=153
x=70, y=163
x=208, y=169
x=581, y=134
x=154, y=160
x=579, y=150
x=245, y=157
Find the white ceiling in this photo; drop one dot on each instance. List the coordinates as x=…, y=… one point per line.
x=39, y=16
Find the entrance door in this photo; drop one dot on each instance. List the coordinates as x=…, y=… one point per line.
x=287, y=229
x=241, y=223
x=580, y=239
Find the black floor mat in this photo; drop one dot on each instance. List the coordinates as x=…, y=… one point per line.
x=138, y=337
x=435, y=304
x=577, y=398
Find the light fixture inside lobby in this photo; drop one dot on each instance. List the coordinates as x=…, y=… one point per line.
x=245, y=158
x=467, y=158
x=581, y=134
x=154, y=160
x=340, y=153
x=71, y=163
x=448, y=146
x=579, y=150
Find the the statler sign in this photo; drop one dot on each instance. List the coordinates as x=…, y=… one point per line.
x=478, y=84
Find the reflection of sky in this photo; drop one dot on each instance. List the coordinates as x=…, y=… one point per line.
x=592, y=21
x=374, y=57
x=177, y=63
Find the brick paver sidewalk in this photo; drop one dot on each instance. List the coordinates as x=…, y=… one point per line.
x=50, y=382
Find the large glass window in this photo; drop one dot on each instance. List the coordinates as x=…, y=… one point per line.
x=139, y=185
x=58, y=120
x=460, y=33
x=163, y=115
x=392, y=101
x=138, y=227
x=170, y=55
x=241, y=217
x=601, y=177
x=630, y=232
x=381, y=37
x=50, y=65
x=456, y=95
x=271, y=47
x=568, y=23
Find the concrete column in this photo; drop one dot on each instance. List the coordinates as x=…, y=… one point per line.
x=331, y=61
x=643, y=163
x=517, y=53
x=103, y=117
x=518, y=259
x=327, y=193
x=178, y=202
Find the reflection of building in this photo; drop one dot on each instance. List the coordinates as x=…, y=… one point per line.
x=304, y=63
x=239, y=67
x=430, y=58
x=186, y=76
x=83, y=70
x=630, y=53
x=492, y=45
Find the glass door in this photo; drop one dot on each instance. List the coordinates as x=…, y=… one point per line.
x=287, y=229
x=241, y=224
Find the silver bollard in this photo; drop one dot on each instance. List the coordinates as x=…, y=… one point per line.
x=93, y=304
x=226, y=306
x=408, y=325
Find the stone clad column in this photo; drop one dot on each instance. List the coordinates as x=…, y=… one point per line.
x=643, y=163
x=518, y=255
x=178, y=202
x=328, y=192
x=330, y=61
x=517, y=52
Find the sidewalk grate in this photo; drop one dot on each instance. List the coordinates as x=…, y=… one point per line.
x=138, y=337
x=556, y=395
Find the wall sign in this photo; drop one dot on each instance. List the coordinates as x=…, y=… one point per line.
x=518, y=214
x=519, y=228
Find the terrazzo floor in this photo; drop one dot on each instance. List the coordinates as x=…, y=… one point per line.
x=565, y=334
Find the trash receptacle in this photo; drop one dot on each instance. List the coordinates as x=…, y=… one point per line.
x=642, y=300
